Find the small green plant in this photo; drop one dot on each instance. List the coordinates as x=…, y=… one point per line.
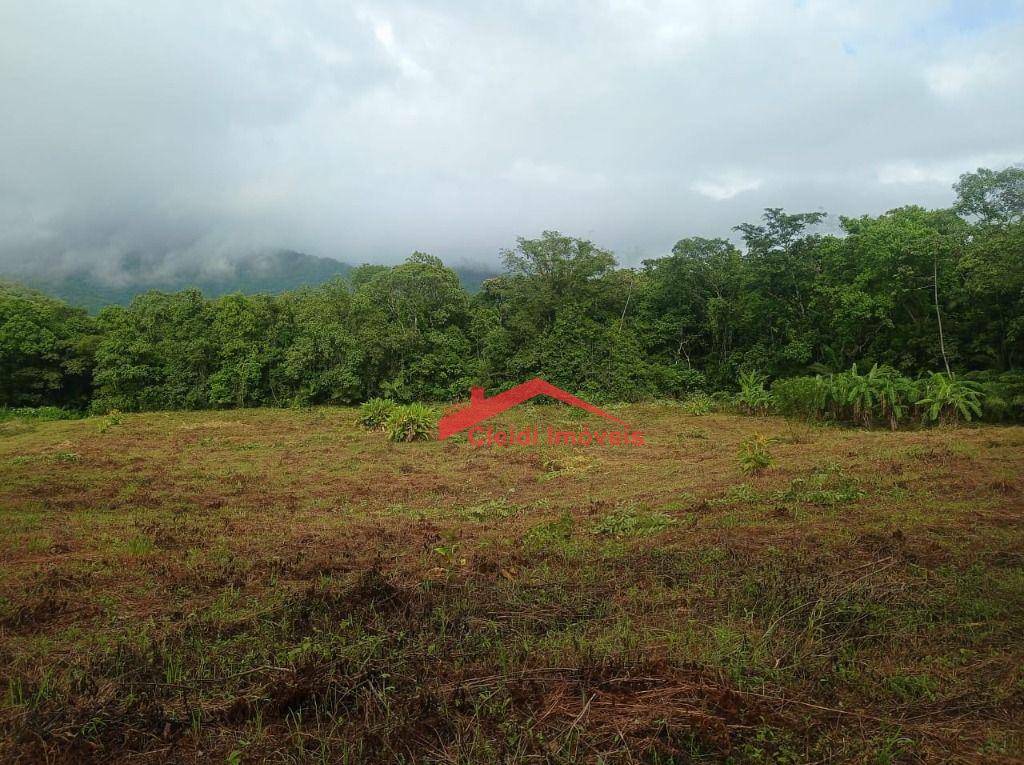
x=753, y=398
x=918, y=687
x=111, y=420
x=826, y=487
x=754, y=455
x=491, y=509
x=411, y=422
x=740, y=493
x=373, y=415
x=449, y=554
x=951, y=400
x=138, y=545
x=555, y=534
x=572, y=466
x=630, y=522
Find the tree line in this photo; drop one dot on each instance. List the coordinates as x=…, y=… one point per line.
x=913, y=290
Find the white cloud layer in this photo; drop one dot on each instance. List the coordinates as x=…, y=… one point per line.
x=726, y=185
x=366, y=130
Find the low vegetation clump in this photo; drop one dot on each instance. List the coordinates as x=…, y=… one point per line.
x=950, y=400
x=411, y=422
x=828, y=487
x=753, y=398
x=40, y=413
x=374, y=414
x=699, y=404
x=112, y=420
x=633, y=521
x=881, y=396
x=1002, y=395
x=754, y=454
x=804, y=397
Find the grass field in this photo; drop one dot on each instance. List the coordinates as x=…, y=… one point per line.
x=280, y=585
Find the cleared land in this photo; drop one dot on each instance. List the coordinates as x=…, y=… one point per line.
x=280, y=584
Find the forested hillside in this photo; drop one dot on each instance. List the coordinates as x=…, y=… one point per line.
x=916, y=290
x=132, y=275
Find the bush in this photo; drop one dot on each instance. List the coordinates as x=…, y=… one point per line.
x=677, y=382
x=411, y=422
x=373, y=415
x=699, y=404
x=46, y=413
x=951, y=400
x=804, y=397
x=723, y=401
x=1003, y=395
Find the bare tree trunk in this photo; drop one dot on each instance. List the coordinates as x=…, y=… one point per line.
x=681, y=352
x=938, y=315
x=629, y=294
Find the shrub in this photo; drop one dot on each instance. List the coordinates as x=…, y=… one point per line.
x=373, y=415
x=723, y=401
x=411, y=422
x=951, y=400
x=699, y=404
x=805, y=397
x=1003, y=395
x=46, y=413
x=676, y=381
x=754, y=455
x=753, y=398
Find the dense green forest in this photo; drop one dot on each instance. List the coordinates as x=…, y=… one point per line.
x=913, y=291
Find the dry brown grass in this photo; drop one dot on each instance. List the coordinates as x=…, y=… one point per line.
x=281, y=585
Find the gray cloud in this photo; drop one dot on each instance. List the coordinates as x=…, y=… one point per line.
x=365, y=130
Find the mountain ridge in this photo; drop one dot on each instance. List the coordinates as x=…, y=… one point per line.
x=272, y=272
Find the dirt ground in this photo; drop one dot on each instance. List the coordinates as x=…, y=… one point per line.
x=273, y=585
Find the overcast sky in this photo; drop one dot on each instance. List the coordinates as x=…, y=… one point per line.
x=363, y=131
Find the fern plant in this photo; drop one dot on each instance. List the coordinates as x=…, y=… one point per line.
x=951, y=400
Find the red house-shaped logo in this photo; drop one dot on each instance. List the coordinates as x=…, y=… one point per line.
x=481, y=408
